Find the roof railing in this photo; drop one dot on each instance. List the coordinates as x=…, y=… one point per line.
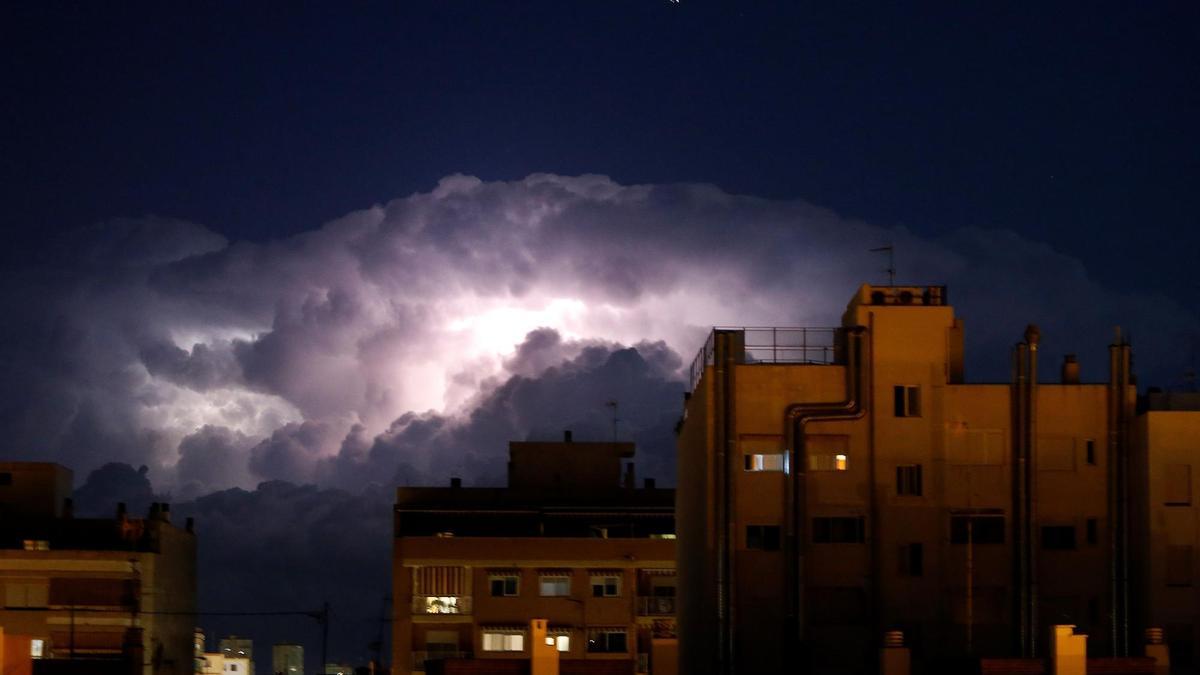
x=772, y=346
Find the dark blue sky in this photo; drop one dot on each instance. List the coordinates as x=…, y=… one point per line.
x=1076, y=124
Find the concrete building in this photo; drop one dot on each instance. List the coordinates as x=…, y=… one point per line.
x=570, y=540
x=1168, y=459
x=287, y=659
x=114, y=595
x=835, y=484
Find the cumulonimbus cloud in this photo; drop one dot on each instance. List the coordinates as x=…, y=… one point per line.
x=381, y=338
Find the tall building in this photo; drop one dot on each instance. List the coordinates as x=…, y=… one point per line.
x=839, y=483
x=1168, y=447
x=287, y=659
x=112, y=594
x=571, y=540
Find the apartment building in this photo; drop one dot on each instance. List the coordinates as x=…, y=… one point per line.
x=570, y=540
x=1168, y=471
x=94, y=595
x=839, y=483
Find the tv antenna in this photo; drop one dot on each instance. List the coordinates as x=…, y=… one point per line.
x=891, y=268
x=613, y=404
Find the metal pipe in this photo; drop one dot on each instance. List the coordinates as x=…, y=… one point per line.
x=1020, y=570
x=1032, y=336
x=796, y=418
x=1113, y=499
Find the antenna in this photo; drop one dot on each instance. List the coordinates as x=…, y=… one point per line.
x=891, y=268
x=613, y=404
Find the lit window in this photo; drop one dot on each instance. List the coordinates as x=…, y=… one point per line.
x=562, y=643
x=770, y=462
x=907, y=399
x=606, y=586
x=503, y=641
x=37, y=545
x=554, y=586
x=665, y=535
x=827, y=452
x=505, y=586
x=37, y=648
x=441, y=604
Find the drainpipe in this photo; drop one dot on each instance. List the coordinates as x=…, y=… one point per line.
x=1032, y=335
x=795, y=420
x=1019, y=476
x=1113, y=521
x=1119, y=379
x=726, y=355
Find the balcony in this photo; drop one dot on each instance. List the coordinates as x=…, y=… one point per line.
x=656, y=606
x=420, y=657
x=441, y=604
x=818, y=346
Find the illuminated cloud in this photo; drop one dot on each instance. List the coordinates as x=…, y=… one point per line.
x=380, y=335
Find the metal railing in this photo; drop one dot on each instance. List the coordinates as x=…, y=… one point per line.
x=655, y=606
x=441, y=604
x=643, y=663
x=772, y=345
x=420, y=657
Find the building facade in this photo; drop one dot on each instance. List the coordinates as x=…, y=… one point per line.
x=287, y=659
x=117, y=594
x=1168, y=447
x=566, y=541
x=836, y=484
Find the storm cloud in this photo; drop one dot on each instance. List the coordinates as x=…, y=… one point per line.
x=413, y=339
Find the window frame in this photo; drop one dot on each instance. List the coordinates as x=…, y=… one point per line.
x=594, y=633
x=977, y=519
x=834, y=529
x=910, y=480
x=1053, y=537
x=564, y=578
x=512, y=641
x=604, y=586
x=906, y=400
x=503, y=579
x=763, y=537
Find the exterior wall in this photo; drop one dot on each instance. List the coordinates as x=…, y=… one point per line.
x=165, y=582
x=1170, y=451
x=962, y=441
x=34, y=489
x=481, y=556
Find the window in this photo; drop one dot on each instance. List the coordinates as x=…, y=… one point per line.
x=1178, y=485
x=1179, y=565
x=771, y=462
x=1090, y=451
x=5, y=478
x=233, y=667
x=607, y=641
x=606, y=586
x=1058, y=537
x=1091, y=531
x=26, y=594
x=827, y=452
x=907, y=399
x=37, y=648
x=982, y=528
x=912, y=560
x=554, y=586
x=839, y=530
x=36, y=545
x=440, y=604
x=503, y=641
x=908, y=480
x=762, y=537
x=560, y=640
x=505, y=586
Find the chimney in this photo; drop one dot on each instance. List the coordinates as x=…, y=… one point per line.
x=190, y=525
x=164, y=512
x=155, y=510
x=630, y=483
x=68, y=509
x=456, y=482
x=649, y=483
x=1070, y=370
x=120, y=510
x=566, y=436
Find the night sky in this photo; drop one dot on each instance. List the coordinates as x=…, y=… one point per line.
x=288, y=256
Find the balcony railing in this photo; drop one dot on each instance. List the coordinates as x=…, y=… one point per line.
x=656, y=606
x=643, y=663
x=419, y=658
x=772, y=346
x=441, y=604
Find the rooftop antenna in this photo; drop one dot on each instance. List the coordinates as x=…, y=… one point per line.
x=613, y=404
x=891, y=268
